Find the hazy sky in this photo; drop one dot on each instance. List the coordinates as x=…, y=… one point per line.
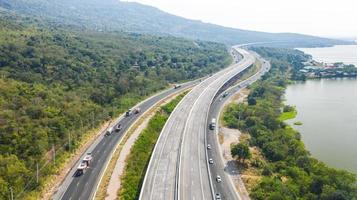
x=332, y=18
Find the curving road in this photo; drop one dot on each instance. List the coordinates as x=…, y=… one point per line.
x=84, y=187
x=226, y=188
x=178, y=168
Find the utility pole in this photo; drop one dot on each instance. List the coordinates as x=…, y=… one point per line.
x=81, y=124
x=69, y=141
x=92, y=119
x=37, y=173
x=54, y=153
x=11, y=194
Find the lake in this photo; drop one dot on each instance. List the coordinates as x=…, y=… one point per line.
x=340, y=53
x=328, y=110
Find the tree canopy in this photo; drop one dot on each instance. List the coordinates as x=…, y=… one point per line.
x=58, y=82
x=290, y=171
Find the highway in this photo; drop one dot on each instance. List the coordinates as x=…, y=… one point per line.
x=84, y=187
x=226, y=188
x=178, y=168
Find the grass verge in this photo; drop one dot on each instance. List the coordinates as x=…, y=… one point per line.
x=102, y=190
x=140, y=153
x=287, y=115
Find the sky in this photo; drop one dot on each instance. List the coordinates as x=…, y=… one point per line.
x=328, y=18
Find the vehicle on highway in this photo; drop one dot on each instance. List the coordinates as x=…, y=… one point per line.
x=209, y=147
x=128, y=113
x=88, y=159
x=118, y=128
x=177, y=86
x=137, y=110
x=225, y=94
x=218, y=196
x=210, y=161
x=218, y=179
x=109, y=131
x=212, y=125
x=82, y=167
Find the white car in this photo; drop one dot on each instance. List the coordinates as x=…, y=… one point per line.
x=218, y=179
x=218, y=196
x=208, y=146
x=210, y=161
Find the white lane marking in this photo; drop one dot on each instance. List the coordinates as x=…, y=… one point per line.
x=230, y=73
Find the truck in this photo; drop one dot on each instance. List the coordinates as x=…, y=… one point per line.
x=177, y=86
x=87, y=159
x=212, y=125
x=109, y=131
x=137, y=110
x=83, y=166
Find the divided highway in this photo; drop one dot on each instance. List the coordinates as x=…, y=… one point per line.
x=178, y=168
x=226, y=188
x=84, y=187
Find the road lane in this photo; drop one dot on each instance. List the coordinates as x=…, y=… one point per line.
x=195, y=147
x=83, y=187
x=178, y=166
x=226, y=188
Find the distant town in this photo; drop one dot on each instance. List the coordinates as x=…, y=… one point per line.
x=314, y=69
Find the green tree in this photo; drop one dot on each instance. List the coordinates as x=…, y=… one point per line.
x=241, y=151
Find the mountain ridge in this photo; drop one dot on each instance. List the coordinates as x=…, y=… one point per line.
x=112, y=15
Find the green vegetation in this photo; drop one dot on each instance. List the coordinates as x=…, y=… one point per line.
x=241, y=151
x=141, y=151
x=298, y=123
x=289, y=171
x=289, y=112
x=56, y=84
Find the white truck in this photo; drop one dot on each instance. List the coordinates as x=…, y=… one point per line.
x=137, y=110
x=109, y=131
x=83, y=166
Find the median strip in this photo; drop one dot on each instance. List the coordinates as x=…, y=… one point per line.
x=132, y=147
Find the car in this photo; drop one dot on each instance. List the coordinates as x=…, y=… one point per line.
x=209, y=147
x=212, y=125
x=218, y=179
x=128, y=113
x=218, y=196
x=225, y=94
x=118, y=128
x=210, y=161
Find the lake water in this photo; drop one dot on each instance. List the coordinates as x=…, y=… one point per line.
x=339, y=53
x=328, y=110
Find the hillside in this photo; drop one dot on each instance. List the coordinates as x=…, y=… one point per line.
x=114, y=15
x=56, y=82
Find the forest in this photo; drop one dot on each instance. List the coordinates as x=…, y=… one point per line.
x=58, y=82
x=287, y=169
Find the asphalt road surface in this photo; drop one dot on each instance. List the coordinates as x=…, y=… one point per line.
x=83, y=187
x=178, y=168
x=226, y=188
